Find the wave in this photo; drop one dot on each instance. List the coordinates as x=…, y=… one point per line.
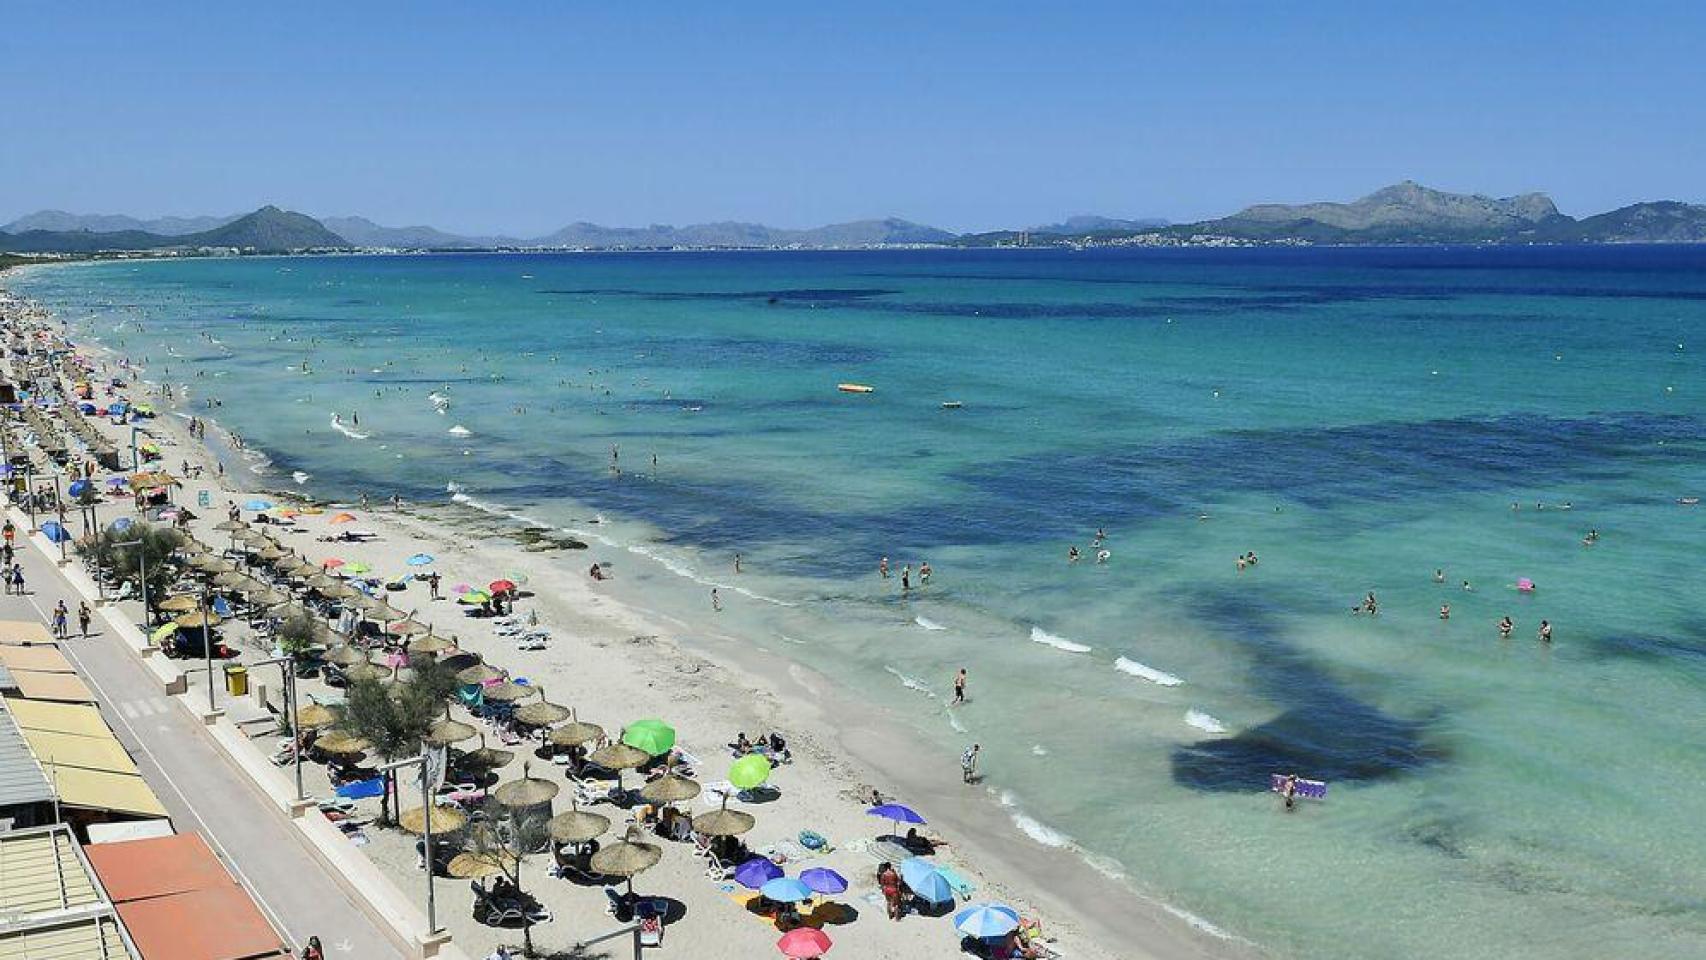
x=954, y=721
x=1032, y=827
x=682, y=570
x=460, y=431
x=928, y=624
x=1203, y=721
x=910, y=683
x=1146, y=672
x=457, y=495
x=347, y=430
x=1038, y=750
x=300, y=477
x=1039, y=635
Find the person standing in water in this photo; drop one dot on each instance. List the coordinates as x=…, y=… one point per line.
x=883, y=568
x=716, y=601
x=924, y=573
x=1288, y=791
x=1545, y=631
x=737, y=563
x=906, y=578
x=968, y=763
x=1445, y=611
x=960, y=687
x=1505, y=628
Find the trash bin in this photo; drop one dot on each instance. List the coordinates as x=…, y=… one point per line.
x=237, y=680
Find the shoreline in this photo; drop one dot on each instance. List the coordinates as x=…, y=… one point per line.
x=631, y=643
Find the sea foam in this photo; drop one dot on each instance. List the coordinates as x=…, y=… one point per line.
x=1146, y=672
x=1039, y=635
x=1204, y=722
x=928, y=624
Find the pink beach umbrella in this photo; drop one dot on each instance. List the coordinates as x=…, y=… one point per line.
x=804, y=943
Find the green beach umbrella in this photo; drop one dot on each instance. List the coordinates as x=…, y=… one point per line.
x=652, y=735
x=749, y=771
x=356, y=567
x=474, y=596
x=162, y=633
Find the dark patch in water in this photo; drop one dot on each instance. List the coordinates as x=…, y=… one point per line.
x=1635, y=646
x=702, y=351
x=1325, y=732
x=817, y=295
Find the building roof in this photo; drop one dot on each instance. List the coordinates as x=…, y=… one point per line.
x=61, y=687
x=139, y=869
x=51, y=902
x=220, y=923
x=82, y=760
x=179, y=903
x=44, y=659
x=21, y=778
x=60, y=717
x=20, y=632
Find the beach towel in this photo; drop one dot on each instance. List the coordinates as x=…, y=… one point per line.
x=362, y=788
x=965, y=888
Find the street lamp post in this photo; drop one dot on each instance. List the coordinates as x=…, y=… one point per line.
x=287, y=669
x=59, y=504
x=426, y=812
x=142, y=564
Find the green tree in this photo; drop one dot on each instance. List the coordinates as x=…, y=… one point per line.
x=151, y=548
x=297, y=634
x=507, y=836
x=394, y=717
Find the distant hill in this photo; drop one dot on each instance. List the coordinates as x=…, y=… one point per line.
x=1403, y=213
x=363, y=232
x=1662, y=221
x=267, y=230
x=1085, y=224
x=731, y=234
x=60, y=221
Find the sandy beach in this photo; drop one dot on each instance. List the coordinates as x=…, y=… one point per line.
x=613, y=664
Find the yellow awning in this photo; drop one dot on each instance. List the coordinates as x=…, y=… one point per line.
x=23, y=632
x=102, y=790
x=63, y=687
x=60, y=717
x=42, y=659
x=70, y=750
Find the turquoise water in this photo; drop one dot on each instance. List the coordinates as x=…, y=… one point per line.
x=1357, y=418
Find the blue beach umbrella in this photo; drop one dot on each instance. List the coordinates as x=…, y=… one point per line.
x=120, y=525
x=77, y=487
x=897, y=813
x=56, y=532
x=786, y=890
x=419, y=560
x=258, y=505
x=987, y=920
x=921, y=878
x=823, y=880
x=757, y=872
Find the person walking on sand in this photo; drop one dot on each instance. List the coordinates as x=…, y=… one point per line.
x=968, y=762
x=84, y=616
x=960, y=687
x=432, y=584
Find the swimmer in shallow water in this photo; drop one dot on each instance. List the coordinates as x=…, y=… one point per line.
x=1505, y=628
x=1072, y=554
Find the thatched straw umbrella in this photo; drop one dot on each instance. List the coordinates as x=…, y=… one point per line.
x=627, y=857
x=344, y=655
x=575, y=733
x=181, y=603
x=444, y=819
x=431, y=643
x=506, y=692
x=445, y=732
x=480, y=673
x=474, y=866
x=724, y=823
x=669, y=789
x=577, y=826
x=315, y=716
x=529, y=791
x=341, y=742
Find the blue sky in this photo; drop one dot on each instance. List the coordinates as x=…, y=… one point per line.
x=520, y=117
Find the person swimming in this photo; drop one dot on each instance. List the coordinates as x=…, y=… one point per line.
x=1545, y=634
x=1072, y=554
x=1439, y=575
x=1445, y=611
x=1505, y=628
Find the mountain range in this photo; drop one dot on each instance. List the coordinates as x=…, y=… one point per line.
x=1405, y=213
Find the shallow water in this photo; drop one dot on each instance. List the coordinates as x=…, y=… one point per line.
x=1358, y=418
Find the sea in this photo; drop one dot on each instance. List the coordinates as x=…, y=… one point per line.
x=1432, y=426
